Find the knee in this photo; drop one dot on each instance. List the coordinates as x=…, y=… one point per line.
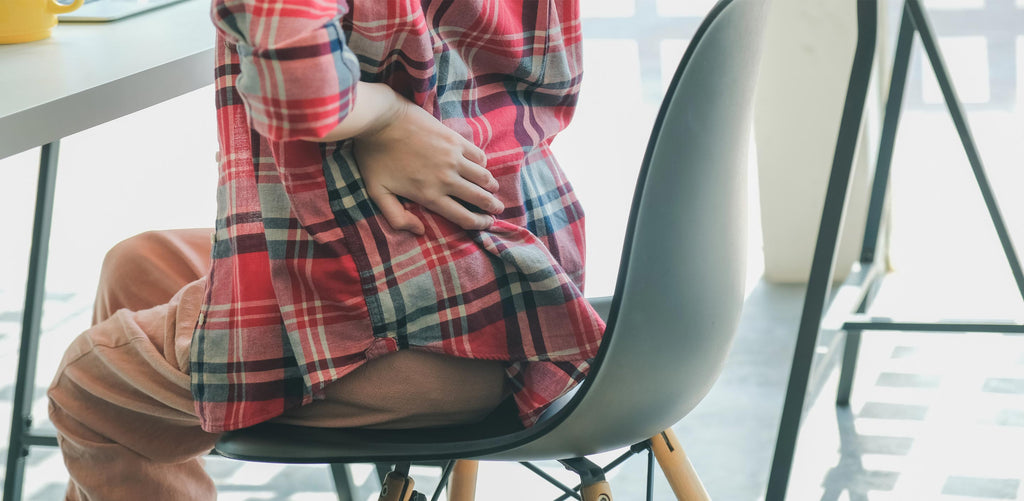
x=129, y=258
x=126, y=267
x=130, y=252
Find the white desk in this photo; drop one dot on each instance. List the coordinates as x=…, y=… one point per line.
x=90, y=73
x=82, y=76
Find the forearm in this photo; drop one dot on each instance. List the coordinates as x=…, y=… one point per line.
x=376, y=105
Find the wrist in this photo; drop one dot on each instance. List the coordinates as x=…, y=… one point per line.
x=376, y=107
x=392, y=108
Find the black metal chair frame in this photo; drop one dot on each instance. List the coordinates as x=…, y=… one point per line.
x=847, y=314
x=343, y=483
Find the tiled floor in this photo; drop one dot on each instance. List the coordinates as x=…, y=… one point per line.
x=933, y=416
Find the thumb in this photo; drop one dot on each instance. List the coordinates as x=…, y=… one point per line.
x=395, y=213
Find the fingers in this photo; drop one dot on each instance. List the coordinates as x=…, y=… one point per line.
x=469, y=192
x=466, y=219
x=479, y=176
x=474, y=154
x=394, y=212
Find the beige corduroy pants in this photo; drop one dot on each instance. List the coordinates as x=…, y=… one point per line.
x=121, y=398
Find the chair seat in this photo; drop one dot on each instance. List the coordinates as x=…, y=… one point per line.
x=284, y=443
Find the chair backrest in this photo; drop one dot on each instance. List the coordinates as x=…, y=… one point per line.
x=679, y=293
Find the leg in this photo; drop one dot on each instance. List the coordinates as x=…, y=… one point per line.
x=680, y=474
x=397, y=486
x=887, y=139
x=122, y=405
x=599, y=491
x=147, y=269
x=594, y=486
x=121, y=399
x=132, y=368
x=28, y=351
x=931, y=48
x=823, y=263
x=463, y=483
x=407, y=389
x=849, y=368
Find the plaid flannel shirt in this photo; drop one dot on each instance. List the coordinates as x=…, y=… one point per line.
x=309, y=281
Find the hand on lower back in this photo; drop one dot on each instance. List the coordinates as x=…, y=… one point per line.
x=416, y=157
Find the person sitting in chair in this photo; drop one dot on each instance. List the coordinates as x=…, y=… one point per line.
x=395, y=244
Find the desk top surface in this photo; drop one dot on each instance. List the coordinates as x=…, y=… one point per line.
x=79, y=76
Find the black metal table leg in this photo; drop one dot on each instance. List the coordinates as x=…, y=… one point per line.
x=914, y=21
x=851, y=346
x=879, y=188
x=825, y=251
x=931, y=48
x=21, y=419
x=887, y=140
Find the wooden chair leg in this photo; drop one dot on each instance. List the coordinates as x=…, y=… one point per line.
x=397, y=487
x=462, y=485
x=595, y=486
x=680, y=474
x=598, y=491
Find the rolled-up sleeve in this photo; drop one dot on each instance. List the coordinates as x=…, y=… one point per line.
x=297, y=75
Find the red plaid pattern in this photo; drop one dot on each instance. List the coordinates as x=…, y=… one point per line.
x=309, y=281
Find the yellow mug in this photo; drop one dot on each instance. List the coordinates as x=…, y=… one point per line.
x=30, y=20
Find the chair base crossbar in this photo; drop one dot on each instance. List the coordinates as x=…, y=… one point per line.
x=663, y=448
x=572, y=493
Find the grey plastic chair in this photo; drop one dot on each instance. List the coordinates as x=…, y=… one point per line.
x=671, y=320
